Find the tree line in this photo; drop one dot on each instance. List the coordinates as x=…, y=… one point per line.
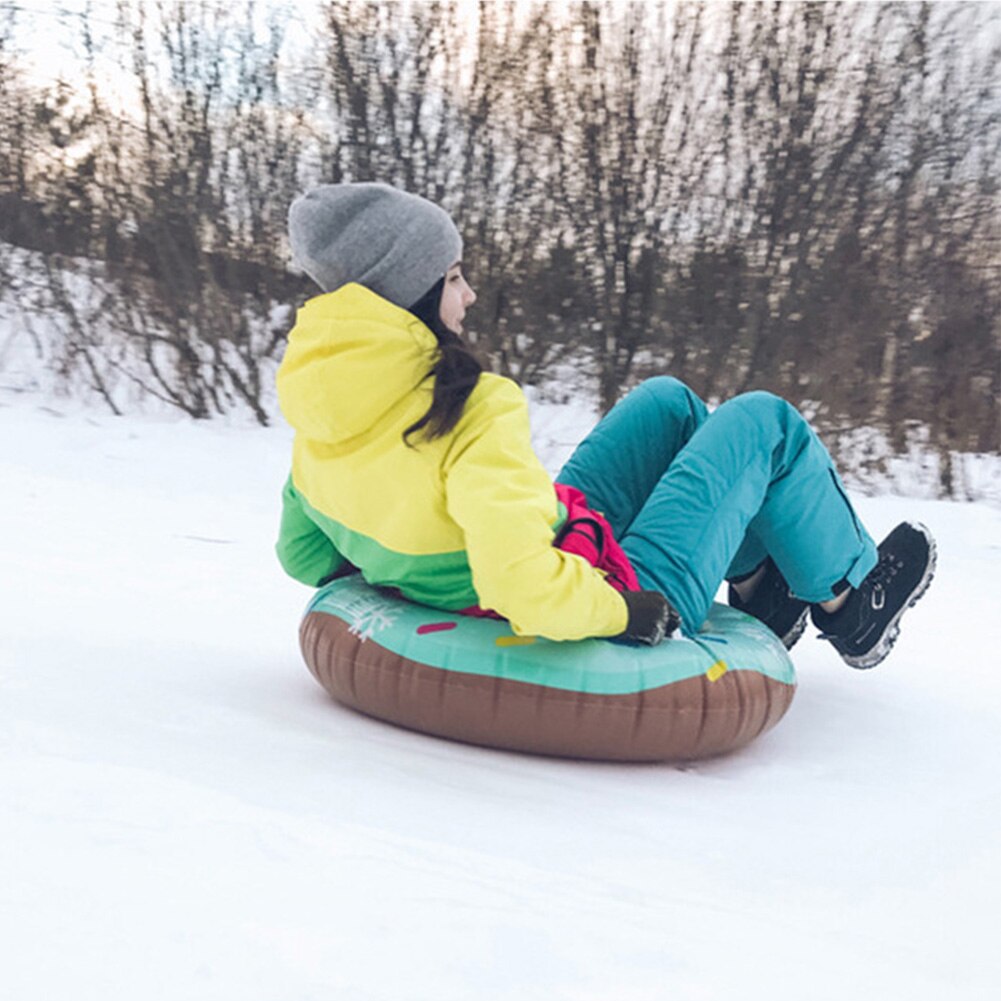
x=801, y=197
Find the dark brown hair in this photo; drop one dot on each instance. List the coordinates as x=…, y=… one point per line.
x=456, y=370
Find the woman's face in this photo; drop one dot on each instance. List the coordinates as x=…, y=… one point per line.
x=456, y=298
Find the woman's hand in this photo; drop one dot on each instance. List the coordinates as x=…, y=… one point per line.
x=652, y=618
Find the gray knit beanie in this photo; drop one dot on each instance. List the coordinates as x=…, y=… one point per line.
x=396, y=244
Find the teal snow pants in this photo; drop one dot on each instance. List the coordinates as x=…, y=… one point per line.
x=696, y=498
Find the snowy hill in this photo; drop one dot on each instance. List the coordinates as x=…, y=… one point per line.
x=60, y=339
x=186, y=815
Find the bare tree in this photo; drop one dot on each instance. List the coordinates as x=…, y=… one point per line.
x=801, y=197
x=629, y=113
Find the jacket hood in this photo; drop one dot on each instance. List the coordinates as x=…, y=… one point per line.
x=351, y=357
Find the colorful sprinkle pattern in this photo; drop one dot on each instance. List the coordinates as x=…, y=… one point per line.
x=436, y=627
x=487, y=647
x=717, y=670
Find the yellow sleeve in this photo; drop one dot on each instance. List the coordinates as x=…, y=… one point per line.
x=498, y=492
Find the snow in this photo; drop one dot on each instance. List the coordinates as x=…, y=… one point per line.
x=37, y=332
x=184, y=813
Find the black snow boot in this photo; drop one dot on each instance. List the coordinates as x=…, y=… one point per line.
x=866, y=626
x=774, y=604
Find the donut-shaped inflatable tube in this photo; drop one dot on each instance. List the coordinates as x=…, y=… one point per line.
x=473, y=680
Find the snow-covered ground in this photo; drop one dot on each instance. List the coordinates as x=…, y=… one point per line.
x=185, y=814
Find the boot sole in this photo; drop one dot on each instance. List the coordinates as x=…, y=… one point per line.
x=881, y=650
x=792, y=637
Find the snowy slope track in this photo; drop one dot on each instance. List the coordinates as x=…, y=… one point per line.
x=185, y=814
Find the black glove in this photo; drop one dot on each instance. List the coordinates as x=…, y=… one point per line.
x=651, y=617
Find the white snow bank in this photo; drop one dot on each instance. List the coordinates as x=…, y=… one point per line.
x=69, y=332
x=36, y=329
x=185, y=814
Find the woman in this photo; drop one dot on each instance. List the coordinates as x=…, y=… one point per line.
x=415, y=467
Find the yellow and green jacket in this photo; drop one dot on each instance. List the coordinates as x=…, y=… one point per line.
x=464, y=520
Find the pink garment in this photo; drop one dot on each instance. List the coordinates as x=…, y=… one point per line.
x=586, y=533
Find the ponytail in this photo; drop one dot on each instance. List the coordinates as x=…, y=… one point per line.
x=456, y=371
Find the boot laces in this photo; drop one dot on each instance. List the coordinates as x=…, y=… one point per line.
x=882, y=574
x=885, y=570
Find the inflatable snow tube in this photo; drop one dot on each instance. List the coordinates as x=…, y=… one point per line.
x=473, y=680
